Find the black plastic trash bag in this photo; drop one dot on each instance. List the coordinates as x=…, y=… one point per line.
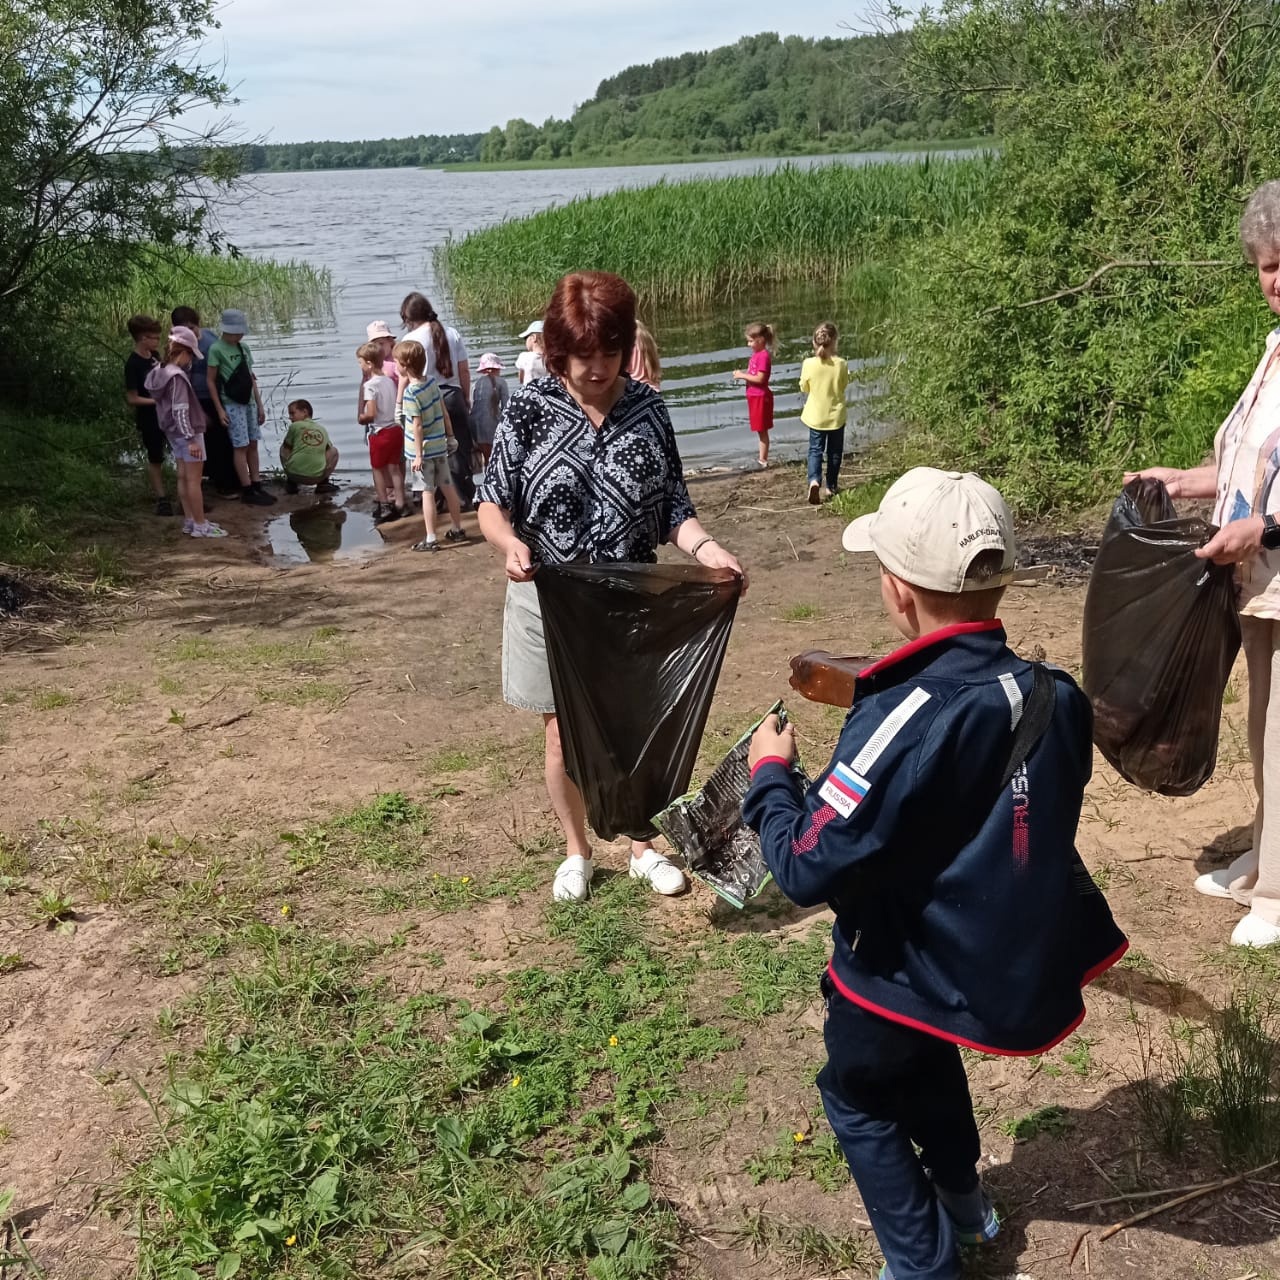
x=635, y=652
x=1160, y=635
x=707, y=830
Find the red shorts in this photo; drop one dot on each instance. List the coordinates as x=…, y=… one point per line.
x=386, y=447
x=760, y=412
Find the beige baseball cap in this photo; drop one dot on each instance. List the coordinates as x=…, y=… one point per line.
x=931, y=524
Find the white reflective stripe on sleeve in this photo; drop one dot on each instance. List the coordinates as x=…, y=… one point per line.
x=1014, y=694
x=888, y=730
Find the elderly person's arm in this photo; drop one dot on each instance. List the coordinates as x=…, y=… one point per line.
x=1198, y=482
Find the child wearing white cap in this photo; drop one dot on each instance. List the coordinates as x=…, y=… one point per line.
x=529, y=362
x=942, y=834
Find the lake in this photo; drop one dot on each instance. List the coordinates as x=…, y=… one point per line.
x=375, y=231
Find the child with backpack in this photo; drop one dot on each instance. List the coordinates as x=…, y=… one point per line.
x=233, y=389
x=942, y=834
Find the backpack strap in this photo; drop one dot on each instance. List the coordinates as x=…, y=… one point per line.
x=1036, y=717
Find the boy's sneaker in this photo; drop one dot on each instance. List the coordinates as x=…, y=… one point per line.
x=972, y=1214
x=291, y=485
x=400, y=513
x=164, y=507
x=208, y=530
x=573, y=879
x=255, y=499
x=326, y=486
x=664, y=876
x=456, y=535
x=382, y=512
x=814, y=497
x=258, y=488
x=427, y=544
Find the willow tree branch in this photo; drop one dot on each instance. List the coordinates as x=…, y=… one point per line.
x=1126, y=264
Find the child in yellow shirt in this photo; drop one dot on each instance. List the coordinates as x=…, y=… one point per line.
x=823, y=379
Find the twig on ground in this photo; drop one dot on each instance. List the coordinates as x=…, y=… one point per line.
x=1138, y=1195
x=1102, y=1173
x=409, y=678
x=1181, y=1200
x=1075, y=1248
x=213, y=696
x=792, y=545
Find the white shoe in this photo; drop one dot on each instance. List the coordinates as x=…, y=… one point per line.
x=208, y=530
x=573, y=879
x=1217, y=884
x=664, y=876
x=1253, y=931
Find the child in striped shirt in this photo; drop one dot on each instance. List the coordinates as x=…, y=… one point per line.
x=428, y=442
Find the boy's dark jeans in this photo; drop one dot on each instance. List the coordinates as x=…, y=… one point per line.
x=885, y=1087
x=832, y=444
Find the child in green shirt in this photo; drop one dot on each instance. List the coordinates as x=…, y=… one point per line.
x=307, y=454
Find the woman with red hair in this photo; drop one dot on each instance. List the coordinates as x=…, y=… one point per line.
x=584, y=467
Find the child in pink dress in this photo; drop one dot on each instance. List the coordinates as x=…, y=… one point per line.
x=759, y=397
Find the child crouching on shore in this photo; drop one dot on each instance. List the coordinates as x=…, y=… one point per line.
x=182, y=420
x=942, y=834
x=307, y=454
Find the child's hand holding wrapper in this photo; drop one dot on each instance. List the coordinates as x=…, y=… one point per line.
x=771, y=742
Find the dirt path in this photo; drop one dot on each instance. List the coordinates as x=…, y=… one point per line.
x=150, y=763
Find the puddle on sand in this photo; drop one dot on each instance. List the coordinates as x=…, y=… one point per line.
x=322, y=533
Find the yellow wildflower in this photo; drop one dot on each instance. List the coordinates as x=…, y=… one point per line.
x=290, y=1241
x=466, y=879
x=800, y=1137
x=286, y=910
x=613, y=1042
x=515, y=1082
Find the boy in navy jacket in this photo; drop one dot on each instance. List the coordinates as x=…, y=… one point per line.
x=964, y=915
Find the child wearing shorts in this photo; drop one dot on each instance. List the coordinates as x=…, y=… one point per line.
x=233, y=389
x=384, y=434
x=182, y=420
x=428, y=440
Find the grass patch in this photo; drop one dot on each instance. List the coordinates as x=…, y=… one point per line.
x=801, y=613
x=770, y=972
x=327, y=1125
x=51, y=699
x=800, y=1154
x=1051, y=1120
x=692, y=243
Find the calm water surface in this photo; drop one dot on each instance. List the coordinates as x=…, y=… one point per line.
x=376, y=230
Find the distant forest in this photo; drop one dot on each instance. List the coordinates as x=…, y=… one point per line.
x=761, y=96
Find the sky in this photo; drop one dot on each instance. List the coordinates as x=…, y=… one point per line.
x=330, y=69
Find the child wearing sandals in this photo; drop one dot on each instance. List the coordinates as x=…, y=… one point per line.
x=183, y=422
x=428, y=441
x=759, y=396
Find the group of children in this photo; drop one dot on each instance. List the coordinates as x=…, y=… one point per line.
x=201, y=402
x=824, y=377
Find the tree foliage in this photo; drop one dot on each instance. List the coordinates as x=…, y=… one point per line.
x=96, y=163
x=1072, y=327
x=763, y=95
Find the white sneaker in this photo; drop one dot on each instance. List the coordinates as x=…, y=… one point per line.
x=188, y=524
x=573, y=879
x=664, y=877
x=208, y=530
x=1253, y=931
x=1217, y=884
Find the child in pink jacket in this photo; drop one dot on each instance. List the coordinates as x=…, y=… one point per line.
x=183, y=422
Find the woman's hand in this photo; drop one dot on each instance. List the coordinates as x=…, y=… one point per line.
x=1170, y=477
x=520, y=564
x=1239, y=540
x=713, y=556
x=771, y=740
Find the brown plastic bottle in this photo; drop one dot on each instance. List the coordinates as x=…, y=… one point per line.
x=825, y=677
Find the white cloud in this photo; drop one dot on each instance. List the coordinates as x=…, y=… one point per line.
x=342, y=69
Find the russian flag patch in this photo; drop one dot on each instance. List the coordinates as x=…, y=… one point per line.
x=844, y=790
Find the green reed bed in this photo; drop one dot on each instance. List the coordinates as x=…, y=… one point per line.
x=687, y=243
x=274, y=294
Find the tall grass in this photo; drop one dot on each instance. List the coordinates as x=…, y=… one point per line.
x=273, y=294
x=687, y=243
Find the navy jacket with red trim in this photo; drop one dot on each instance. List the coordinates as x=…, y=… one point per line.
x=961, y=911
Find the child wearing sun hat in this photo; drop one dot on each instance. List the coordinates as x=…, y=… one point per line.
x=489, y=398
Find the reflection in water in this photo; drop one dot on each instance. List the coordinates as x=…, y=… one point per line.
x=325, y=218
x=322, y=533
